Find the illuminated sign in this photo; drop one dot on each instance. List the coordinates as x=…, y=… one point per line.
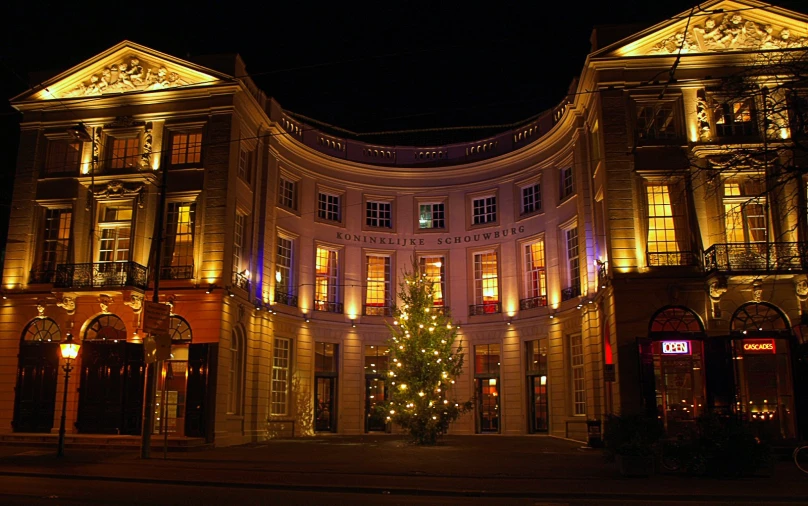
x=676, y=347
x=759, y=346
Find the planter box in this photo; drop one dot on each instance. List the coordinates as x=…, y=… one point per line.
x=634, y=465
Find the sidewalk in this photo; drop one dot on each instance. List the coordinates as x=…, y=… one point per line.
x=462, y=465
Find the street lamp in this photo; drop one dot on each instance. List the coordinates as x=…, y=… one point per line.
x=70, y=351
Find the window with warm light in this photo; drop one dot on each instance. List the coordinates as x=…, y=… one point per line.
x=125, y=153
x=378, y=295
x=238, y=242
x=284, y=271
x=178, y=247
x=573, y=263
x=486, y=359
x=666, y=225
x=535, y=275
x=63, y=157
x=281, y=368
x=431, y=215
x=735, y=117
x=486, y=283
x=186, y=148
x=433, y=269
x=56, y=236
x=115, y=222
x=326, y=282
x=745, y=209
x=577, y=377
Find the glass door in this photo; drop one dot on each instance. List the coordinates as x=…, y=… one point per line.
x=324, y=412
x=488, y=404
x=375, y=395
x=679, y=380
x=170, y=397
x=538, y=403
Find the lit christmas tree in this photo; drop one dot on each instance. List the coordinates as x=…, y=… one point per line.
x=423, y=364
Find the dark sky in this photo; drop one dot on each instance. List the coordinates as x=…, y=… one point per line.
x=365, y=66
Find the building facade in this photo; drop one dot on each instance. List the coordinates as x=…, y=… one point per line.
x=608, y=256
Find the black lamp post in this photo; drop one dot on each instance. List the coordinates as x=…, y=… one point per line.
x=70, y=351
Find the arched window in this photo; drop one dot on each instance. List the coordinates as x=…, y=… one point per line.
x=105, y=327
x=41, y=330
x=676, y=320
x=758, y=317
x=236, y=372
x=179, y=330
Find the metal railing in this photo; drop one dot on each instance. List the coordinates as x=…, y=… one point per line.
x=485, y=308
x=757, y=257
x=328, y=307
x=533, y=302
x=101, y=275
x=671, y=258
x=241, y=281
x=570, y=292
x=42, y=274
x=286, y=299
x=369, y=310
x=177, y=272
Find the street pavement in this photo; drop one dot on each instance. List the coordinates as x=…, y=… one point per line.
x=543, y=469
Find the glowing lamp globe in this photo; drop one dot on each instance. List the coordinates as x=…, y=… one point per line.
x=70, y=349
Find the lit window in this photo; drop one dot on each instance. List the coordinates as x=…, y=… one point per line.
x=186, y=148
x=281, y=363
x=238, y=242
x=379, y=214
x=578, y=386
x=573, y=264
x=745, y=210
x=125, y=153
x=486, y=283
x=178, y=248
x=735, y=117
x=284, y=281
x=328, y=207
x=666, y=225
x=378, y=299
x=433, y=268
x=531, y=198
x=486, y=359
x=326, y=283
x=55, y=238
x=115, y=222
x=484, y=210
x=431, y=215
x=535, y=275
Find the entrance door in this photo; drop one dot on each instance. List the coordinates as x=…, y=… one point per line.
x=169, y=398
x=488, y=404
x=324, y=405
x=37, y=375
x=375, y=394
x=111, y=388
x=538, y=403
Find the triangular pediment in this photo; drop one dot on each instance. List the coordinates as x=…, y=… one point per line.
x=124, y=68
x=718, y=26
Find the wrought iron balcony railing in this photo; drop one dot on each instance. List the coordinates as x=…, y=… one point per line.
x=671, y=258
x=533, y=302
x=370, y=310
x=177, y=272
x=485, y=308
x=286, y=299
x=241, y=281
x=440, y=310
x=101, y=275
x=42, y=274
x=328, y=307
x=570, y=292
x=757, y=257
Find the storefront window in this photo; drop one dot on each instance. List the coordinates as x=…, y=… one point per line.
x=679, y=379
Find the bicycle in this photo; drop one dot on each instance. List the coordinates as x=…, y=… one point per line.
x=800, y=457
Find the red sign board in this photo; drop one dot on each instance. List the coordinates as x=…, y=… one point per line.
x=759, y=346
x=676, y=347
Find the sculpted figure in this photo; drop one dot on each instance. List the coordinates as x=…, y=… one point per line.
x=135, y=71
x=123, y=77
x=93, y=88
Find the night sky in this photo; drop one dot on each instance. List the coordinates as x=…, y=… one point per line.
x=364, y=66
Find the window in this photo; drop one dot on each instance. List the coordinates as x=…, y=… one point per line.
x=244, y=172
x=281, y=362
x=573, y=264
x=667, y=243
x=486, y=284
x=531, y=198
x=656, y=122
x=328, y=207
x=284, y=275
x=567, y=183
x=125, y=153
x=735, y=117
x=326, y=283
x=55, y=243
x=178, y=247
x=63, y=157
x=378, y=298
x=745, y=210
x=238, y=243
x=486, y=359
x=484, y=210
x=431, y=215
x=378, y=214
x=433, y=269
x=578, y=382
x=535, y=276
x=594, y=144
x=287, y=193
x=115, y=222
x=186, y=148
x=235, y=372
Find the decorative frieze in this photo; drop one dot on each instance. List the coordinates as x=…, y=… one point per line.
x=129, y=74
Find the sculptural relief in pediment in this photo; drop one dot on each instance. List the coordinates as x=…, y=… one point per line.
x=730, y=32
x=129, y=73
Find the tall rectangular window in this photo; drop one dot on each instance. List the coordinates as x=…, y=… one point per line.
x=328, y=207
x=431, y=215
x=115, y=222
x=378, y=296
x=63, y=157
x=125, y=153
x=186, y=147
x=326, y=283
x=567, y=182
x=486, y=359
x=577, y=379
x=244, y=171
x=531, y=198
x=484, y=210
x=663, y=244
x=56, y=238
x=655, y=122
x=284, y=274
x=287, y=193
x=433, y=268
x=573, y=264
x=178, y=247
x=238, y=242
x=281, y=364
x=486, y=283
x=735, y=117
x=379, y=214
x=745, y=210
x=535, y=276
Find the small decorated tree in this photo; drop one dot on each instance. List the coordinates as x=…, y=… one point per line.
x=424, y=362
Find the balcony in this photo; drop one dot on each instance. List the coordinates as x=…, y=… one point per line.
x=328, y=307
x=375, y=310
x=485, y=308
x=101, y=275
x=287, y=299
x=570, y=292
x=672, y=258
x=773, y=257
x=177, y=272
x=42, y=274
x=241, y=280
x=533, y=302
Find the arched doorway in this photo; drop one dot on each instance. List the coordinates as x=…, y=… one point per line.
x=761, y=356
x=112, y=374
x=37, y=374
